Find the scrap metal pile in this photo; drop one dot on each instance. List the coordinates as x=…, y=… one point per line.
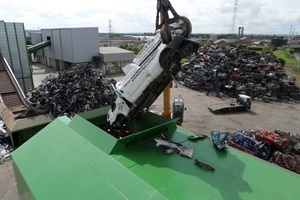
x=68, y=92
x=278, y=147
x=5, y=144
x=230, y=71
x=168, y=147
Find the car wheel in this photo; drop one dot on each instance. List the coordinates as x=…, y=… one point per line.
x=187, y=26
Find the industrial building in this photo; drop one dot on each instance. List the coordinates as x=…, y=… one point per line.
x=114, y=58
x=68, y=46
x=77, y=45
x=54, y=48
x=14, y=50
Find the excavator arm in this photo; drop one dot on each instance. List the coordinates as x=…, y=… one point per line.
x=153, y=68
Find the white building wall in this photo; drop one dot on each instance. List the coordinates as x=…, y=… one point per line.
x=48, y=50
x=36, y=38
x=74, y=45
x=85, y=44
x=56, y=45
x=67, y=45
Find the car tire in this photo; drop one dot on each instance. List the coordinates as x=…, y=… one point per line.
x=188, y=26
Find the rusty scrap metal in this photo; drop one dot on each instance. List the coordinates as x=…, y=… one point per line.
x=68, y=92
x=293, y=142
x=3, y=131
x=203, y=165
x=246, y=141
x=279, y=146
x=197, y=137
x=228, y=71
x=5, y=143
x=169, y=147
x=291, y=162
x=219, y=139
x=117, y=132
x=4, y=153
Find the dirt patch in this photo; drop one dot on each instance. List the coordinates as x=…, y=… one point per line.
x=291, y=72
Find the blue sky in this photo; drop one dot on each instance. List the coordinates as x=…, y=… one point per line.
x=138, y=16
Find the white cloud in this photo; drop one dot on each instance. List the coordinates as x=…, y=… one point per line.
x=267, y=17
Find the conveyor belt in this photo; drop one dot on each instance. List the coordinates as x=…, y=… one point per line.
x=9, y=91
x=38, y=46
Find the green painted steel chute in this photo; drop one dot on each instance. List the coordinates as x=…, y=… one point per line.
x=74, y=159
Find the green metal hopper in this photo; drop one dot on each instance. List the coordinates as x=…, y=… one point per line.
x=74, y=159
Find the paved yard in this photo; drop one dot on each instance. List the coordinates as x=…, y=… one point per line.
x=199, y=119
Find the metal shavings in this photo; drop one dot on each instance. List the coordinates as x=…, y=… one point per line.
x=204, y=166
x=197, y=137
x=219, y=139
x=169, y=147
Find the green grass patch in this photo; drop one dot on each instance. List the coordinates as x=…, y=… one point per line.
x=256, y=48
x=287, y=56
x=290, y=61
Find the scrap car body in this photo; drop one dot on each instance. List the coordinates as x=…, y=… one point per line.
x=150, y=72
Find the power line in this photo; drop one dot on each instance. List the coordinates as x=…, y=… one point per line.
x=232, y=29
x=110, y=31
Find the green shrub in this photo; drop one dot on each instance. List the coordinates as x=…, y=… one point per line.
x=266, y=50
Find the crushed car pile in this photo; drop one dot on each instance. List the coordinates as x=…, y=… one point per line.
x=278, y=147
x=225, y=71
x=230, y=71
x=68, y=92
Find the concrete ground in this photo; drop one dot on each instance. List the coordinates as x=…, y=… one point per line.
x=39, y=72
x=8, y=187
x=197, y=118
